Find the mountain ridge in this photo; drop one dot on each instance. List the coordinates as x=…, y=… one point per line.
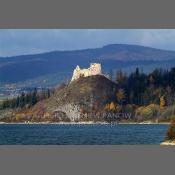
x=112, y=56
x=87, y=49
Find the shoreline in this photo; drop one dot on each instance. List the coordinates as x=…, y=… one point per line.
x=91, y=123
x=168, y=143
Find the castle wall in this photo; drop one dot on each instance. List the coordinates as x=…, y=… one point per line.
x=94, y=69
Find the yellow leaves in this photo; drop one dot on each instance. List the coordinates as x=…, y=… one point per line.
x=147, y=112
x=162, y=102
x=19, y=116
x=107, y=106
x=111, y=106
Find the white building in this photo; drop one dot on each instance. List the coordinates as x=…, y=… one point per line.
x=94, y=69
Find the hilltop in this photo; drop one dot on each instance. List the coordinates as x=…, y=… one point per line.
x=85, y=90
x=85, y=94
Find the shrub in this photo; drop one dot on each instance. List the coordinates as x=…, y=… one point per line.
x=171, y=131
x=147, y=112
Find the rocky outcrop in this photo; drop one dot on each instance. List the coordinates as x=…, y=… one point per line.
x=85, y=93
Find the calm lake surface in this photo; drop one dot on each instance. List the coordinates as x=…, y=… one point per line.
x=75, y=134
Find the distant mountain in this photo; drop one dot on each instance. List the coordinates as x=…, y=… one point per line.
x=116, y=56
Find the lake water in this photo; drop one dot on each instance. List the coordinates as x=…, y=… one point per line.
x=74, y=134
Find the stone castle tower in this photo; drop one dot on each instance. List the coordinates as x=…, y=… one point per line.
x=94, y=69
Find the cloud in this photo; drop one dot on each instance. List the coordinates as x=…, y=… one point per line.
x=29, y=41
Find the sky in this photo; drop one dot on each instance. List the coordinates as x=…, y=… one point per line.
x=31, y=41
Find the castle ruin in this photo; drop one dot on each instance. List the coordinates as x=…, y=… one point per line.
x=94, y=69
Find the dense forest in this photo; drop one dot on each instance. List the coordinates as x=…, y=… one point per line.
x=143, y=89
x=148, y=96
x=26, y=100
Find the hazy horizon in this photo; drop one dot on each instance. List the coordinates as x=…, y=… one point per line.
x=15, y=42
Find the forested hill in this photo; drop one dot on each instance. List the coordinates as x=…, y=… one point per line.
x=115, y=56
x=146, y=97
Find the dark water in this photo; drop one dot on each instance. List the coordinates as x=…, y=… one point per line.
x=55, y=134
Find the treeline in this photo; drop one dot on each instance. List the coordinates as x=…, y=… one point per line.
x=26, y=99
x=141, y=89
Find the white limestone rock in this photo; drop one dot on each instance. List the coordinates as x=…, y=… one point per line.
x=72, y=111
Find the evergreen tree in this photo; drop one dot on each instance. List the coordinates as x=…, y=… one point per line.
x=120, y=96
x=111, y=74
x=34, y=97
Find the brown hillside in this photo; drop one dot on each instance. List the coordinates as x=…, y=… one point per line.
x=84, y=94
x=89, y=91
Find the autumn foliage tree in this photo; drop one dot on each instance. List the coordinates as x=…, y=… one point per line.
x=111, y=106
x=171, y=131
x=162, y=102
